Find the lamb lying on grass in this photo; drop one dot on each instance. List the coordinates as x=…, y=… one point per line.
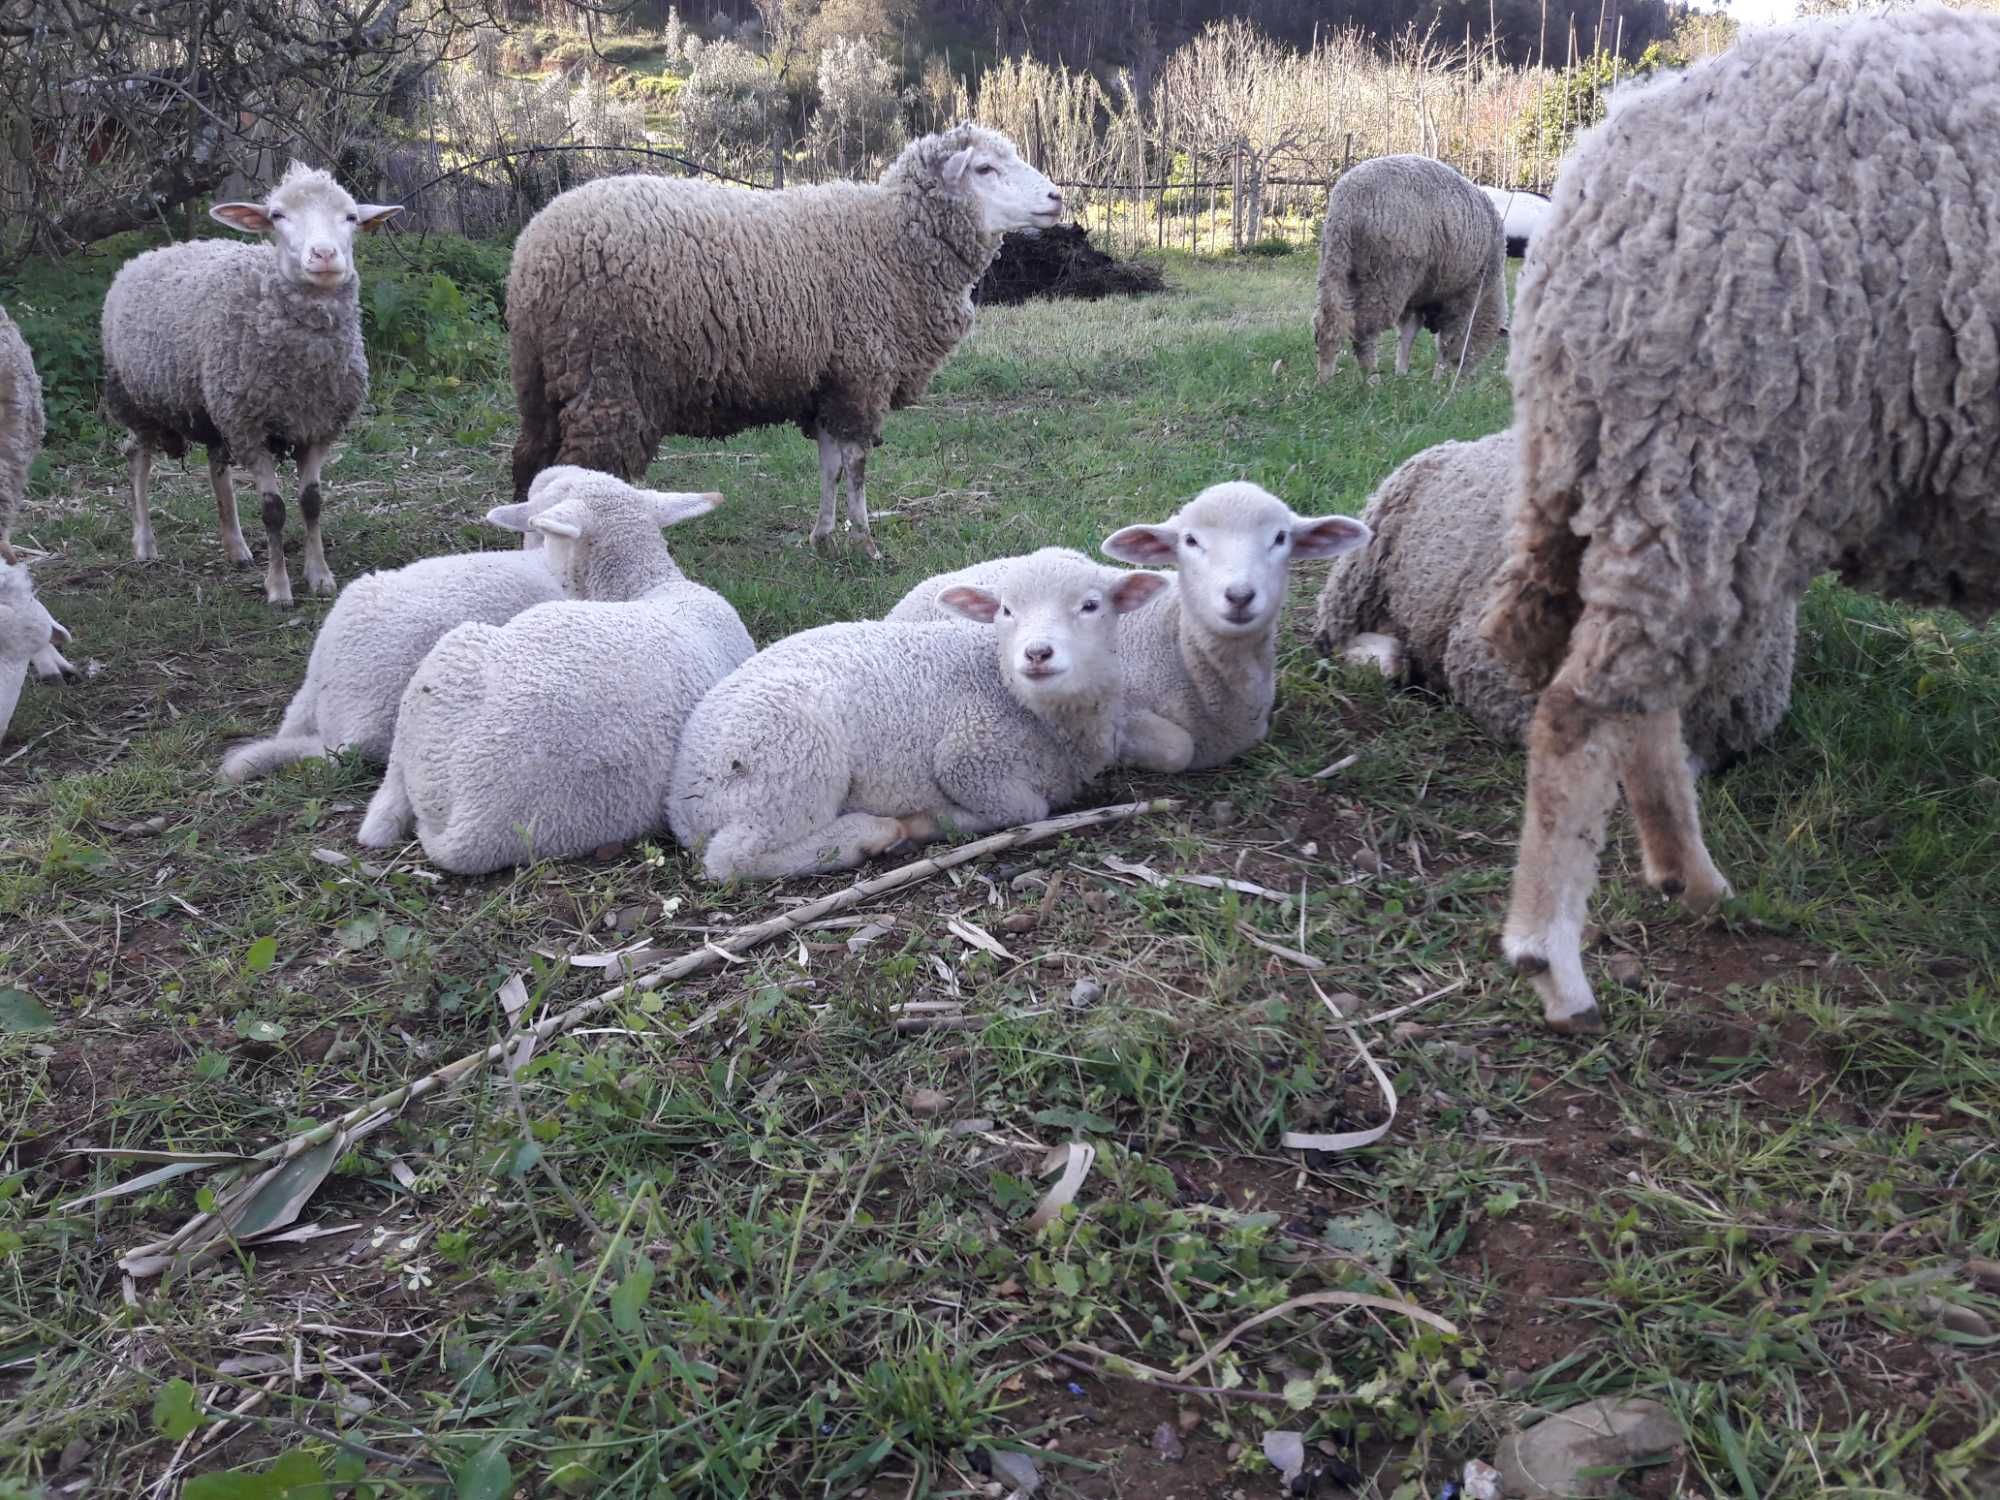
x=847, y=741
x=1200, y=662
x=27, y=634
x=1411, y=604
x=554, y=734
x=384, y=623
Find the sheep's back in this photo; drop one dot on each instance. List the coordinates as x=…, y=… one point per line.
x=1412, y=212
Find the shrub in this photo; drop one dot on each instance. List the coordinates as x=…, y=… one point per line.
x=1566, y=106
x=1269, y=246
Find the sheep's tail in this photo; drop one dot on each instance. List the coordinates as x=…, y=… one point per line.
x=1333, y=320
x=540, y=438
x=1535, y=600
x=298, y=738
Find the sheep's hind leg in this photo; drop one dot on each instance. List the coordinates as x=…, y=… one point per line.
x=848, y=840
x=319, y=577
x=390, y=813
x=225, y=509
x=277, y=585
x=1573, y=755
x=139, y=459
x=855, y=456
x=1406, y=338
x=1659, y=786
x=831, y=463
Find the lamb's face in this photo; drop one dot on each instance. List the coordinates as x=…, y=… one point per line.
x=1007, y=193
x=1233, y=544
x=1055, y=625
x=311, y=220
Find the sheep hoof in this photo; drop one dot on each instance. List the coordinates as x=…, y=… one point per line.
x=1528, y=965
x=605, y=853
x=1672, y=886
x=873, y=552
x=1581, y=1023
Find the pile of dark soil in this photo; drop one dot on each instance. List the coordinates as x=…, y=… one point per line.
x=1061, y=262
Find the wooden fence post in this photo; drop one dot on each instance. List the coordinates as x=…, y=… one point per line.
x=1236, y=199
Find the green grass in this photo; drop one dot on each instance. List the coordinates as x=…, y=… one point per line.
x=758, y=1258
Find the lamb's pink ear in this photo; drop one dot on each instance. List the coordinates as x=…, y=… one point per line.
x=973, y=603
x=1136, y=589
x=511, y=517
x=673, y=506
x=248, y=217
x=374, y=215
x=1148, y=546
x=56, y=631
x=954, y=167
x=1328, y=536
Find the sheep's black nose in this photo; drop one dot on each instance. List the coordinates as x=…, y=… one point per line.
x=1038, y=653
x=1242, y=595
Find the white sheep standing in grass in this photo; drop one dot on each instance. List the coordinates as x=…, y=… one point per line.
x=384, y=623
x=641, y=307
x=1411, y=601
x=1758, y=339
x=253, y=351
x=554, y=734
x=1408, y=241
x=27, y=634
x=1200, y=661
x=847, y=741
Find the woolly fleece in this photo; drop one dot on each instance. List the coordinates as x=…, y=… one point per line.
x=26, y=631
x=1406, y=235
x=1439, y=522
x=21, y=425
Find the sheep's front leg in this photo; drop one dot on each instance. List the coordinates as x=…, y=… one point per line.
x=319, y=577
x=856, y=465
x=49, y=663
x=139, y=460
x=1153, y=743
x=225, y=509
x=1659, y=785
x=1573, y=755
x=831, y=462
x=277, y=584
x=1406, y=338
x=390, y=812
x=850, y=839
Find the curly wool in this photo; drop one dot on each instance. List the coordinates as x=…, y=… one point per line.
x=1440, y=522
x=207, y=342
x=21, y=425
x=1408, y=236
x=1757, y=341
x=644, y=306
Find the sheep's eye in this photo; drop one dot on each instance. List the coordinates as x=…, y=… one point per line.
x=1189, y=540
x=1006, y=611
x=354, y=218
x=1283, y=537
x=985, y=169
x=276, y=216
x=1090, y=606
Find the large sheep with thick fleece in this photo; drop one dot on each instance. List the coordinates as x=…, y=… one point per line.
x=1757, y=340
x=1200, y=661
x=253, y=351
x=643, y=307
x=554, y=734
x=384, y=624
x=844, y=742
x=27, y=633
x=1408, y=242
x=1415, y=596
x=22, y=424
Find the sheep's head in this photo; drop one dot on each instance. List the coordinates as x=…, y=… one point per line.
x=982, y=167
x=581, y=512
x=1055, y=619
x=311, y=220
x=548, y=488
x=1233, y=544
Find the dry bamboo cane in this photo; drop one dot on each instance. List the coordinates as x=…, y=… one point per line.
x=364, y=1119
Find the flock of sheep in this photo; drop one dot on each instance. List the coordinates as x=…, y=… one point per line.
x=1757, y=338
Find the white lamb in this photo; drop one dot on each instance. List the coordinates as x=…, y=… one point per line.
x=1200, y=663
x=844, y=742
x=27, y=634
x=384, y=623
x=554, y=734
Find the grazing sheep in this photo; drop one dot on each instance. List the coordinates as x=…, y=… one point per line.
x=21, y=426
x=1756, y=341
x=554, y=734
x=253, y=351
x=1408, y=241
x=1521, y=214
x=641, y=307
x=27, y=633
x=384, y=623
x=1200, y=663
x=843, y=742
x=1411, y=603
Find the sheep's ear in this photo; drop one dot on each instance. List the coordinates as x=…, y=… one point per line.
x=511, y=517
x=560, y=520
x=973, y=603
x=57, y=634
x=248, y=217
x=1328, y=536
x=671, y=507
x=374, y=215
x=1134, y=590
x=1141, y=544
x=954, y=167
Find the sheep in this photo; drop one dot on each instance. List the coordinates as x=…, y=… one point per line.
x=1411, y=604
x=1756, y=341
x=27, y=634
x=22, y=425
x=1200, y=663
x=553, y=735
x=1408, y=241
x=847, y=741
x=640, y=307
x=1521, y=214
x=384, y=623
x=253, y=351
